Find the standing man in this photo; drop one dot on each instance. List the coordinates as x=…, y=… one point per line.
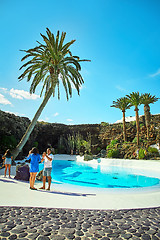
x=47, y=158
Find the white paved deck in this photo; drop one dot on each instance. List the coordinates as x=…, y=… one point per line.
x=17, y=193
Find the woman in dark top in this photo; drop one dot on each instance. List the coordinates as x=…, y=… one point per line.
x=34, y=166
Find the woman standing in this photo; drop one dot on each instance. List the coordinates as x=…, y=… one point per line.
x=8, y=160
x=34, y=166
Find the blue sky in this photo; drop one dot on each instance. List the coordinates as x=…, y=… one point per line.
x=120, y=37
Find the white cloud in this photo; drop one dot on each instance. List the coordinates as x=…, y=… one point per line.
x=155, y=74
x=120, y=88
x=128, y=119
x=56, y=114
x=16, y=113
x=21, y=94
x=46, y=119
x=3, y=89
x=69, y=120
x=4, y=100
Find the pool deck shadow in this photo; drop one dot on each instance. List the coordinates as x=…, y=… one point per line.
x=67, y=193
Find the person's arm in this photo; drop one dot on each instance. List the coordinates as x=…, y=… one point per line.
x=29, y=157
x=49, y=158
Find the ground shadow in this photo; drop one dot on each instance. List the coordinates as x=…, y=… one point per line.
x=68, y=193
x=7, y=181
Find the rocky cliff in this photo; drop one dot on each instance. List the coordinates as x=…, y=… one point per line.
x=45, y=135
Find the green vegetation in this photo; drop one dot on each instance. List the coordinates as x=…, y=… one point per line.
x=50, y=63
x=104, y=124
x=112, y=144
x=35, y=144
x=123, y=104
x=88, y=157
x=135, y=140
x=141, y=154
x=147, y=99
x=113, y=153
x=8, y=142
x=152, y=150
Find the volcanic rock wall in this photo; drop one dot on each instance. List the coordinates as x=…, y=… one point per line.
x=44, y=135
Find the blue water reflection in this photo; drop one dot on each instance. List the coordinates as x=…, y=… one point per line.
x=85, y=175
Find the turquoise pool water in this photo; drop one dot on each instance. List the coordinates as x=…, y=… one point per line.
x=81, y=174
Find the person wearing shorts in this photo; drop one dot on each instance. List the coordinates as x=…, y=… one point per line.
x=7, y=162
x=47, y=159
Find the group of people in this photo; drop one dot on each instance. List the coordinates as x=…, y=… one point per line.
x=35, y=159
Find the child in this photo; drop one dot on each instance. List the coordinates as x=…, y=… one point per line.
x=8, y=160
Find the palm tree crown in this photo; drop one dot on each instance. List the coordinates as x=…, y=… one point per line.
x=134, y=99
x=51, y=62
x=121, y=103
x=147, y=98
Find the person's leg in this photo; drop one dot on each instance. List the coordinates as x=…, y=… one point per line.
x=44, y=179
x=9, y=169
x=44, y=182
x=34, y=178
x=30, y=179
x=49, y=182
x=5, y=171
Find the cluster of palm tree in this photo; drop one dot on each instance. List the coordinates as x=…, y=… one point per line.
x=50, y=63
x=135, y=99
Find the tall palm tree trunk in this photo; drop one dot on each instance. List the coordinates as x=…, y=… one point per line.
x=32, y=124
x=137, y=124
x=147, y=115
x=124, y=127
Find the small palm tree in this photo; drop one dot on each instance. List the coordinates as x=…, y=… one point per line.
x=147, y=99
x=122, y=104
x=135, y=100
x=50, y=63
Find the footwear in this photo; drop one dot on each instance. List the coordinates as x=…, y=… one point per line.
x=41, y=188
x=48, y=189
x=33, y=188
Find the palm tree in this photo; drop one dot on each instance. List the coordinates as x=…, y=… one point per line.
x=147, y=98
x=123, y=105
x=50, y=63
x=135, y=100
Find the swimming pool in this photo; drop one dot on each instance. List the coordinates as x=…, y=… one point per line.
x=83, y=174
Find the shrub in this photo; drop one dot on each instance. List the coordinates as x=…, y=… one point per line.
x=113, y=153
x=133, y=123
x=88, y=157
x=152, y=150
x=135, y=140
x=112, y=143
x=35, y=144
x=141, y=154
x=104, y=124
x=98, y=149
x=9, y=142
x=141, y=125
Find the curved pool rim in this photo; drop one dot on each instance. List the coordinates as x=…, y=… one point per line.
x=150, y=168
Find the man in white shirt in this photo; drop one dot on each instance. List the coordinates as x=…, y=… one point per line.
x=47, y=158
